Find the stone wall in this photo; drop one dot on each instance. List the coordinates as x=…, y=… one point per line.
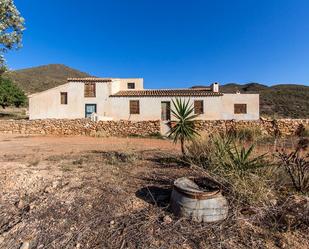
x=80, y=127
x=283, y=127
x=143, y=128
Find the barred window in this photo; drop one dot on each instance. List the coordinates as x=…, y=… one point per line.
x=240, y=108
x=64, y=98
x=134, y=106
x=198, y=106
x=90, y=90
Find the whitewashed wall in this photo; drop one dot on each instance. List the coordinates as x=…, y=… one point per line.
x=215, y=108
x=47, y=104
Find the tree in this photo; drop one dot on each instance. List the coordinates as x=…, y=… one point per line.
x=11, y=29
x=11, y=94
x=184, y=127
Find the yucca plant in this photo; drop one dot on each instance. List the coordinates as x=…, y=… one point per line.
x=242, y=159
x=184, y=129
x=238, y=158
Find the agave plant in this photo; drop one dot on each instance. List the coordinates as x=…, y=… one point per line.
x=239, y=158
x=184, y=129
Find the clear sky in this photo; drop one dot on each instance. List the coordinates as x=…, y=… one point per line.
x=170, y=43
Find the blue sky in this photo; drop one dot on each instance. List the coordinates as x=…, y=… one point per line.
x=170, y=43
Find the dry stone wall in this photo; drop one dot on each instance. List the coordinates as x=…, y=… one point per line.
x=284, y=127
x=80, y=127
x=142, y=128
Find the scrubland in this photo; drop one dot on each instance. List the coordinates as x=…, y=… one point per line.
x=83, y=192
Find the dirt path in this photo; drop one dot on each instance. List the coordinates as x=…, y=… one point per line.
x=49, y=145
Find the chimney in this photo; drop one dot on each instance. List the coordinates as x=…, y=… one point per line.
x=215, y=87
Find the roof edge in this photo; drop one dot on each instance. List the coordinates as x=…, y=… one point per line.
x=87, y=79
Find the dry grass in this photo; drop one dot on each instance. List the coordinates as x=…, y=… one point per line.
x=13, y=113
x=120, y=199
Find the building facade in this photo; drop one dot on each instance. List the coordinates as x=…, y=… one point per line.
x=126, y=99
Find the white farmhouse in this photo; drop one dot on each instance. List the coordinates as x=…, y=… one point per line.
x=126, y=99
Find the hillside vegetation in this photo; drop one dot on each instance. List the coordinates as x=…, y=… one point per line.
x=40, y=78
x=279, y=101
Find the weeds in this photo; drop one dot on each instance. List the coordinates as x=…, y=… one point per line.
x=302, y=131
x=247, y=134
x=34, y=162
x=296, y=166
x=114, y=157
x=242, y=173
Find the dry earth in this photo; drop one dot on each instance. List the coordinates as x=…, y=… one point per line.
x=83, y=192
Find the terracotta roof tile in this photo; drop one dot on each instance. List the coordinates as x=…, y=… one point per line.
x=167, y=93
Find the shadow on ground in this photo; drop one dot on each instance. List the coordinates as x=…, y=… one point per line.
x=155, y=195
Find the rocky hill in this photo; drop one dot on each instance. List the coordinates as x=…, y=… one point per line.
x=40, y=78
x=280, y=101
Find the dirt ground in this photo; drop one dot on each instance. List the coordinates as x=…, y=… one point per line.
x=83, y=192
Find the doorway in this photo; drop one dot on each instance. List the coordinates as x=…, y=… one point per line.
x=165, y=110
x=89, y=109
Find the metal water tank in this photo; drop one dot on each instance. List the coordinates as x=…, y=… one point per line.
x=199, y=199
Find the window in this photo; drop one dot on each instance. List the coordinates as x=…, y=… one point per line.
x=134, y=106
x=64, y=98
x=89, y=90
x=165, y=110
x=131, y=85
x=198, y=106
x=240, y=108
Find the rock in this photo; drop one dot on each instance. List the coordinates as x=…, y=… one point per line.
x=55, y=184
x=48, y=189
x=167, y=220
x=20, y=204
x=25, y=245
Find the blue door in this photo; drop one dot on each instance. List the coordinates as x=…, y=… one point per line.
x=89, y=109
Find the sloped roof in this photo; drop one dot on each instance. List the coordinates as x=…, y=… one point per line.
x=167, y=93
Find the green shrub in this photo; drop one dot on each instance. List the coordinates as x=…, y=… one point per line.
x=11, y=94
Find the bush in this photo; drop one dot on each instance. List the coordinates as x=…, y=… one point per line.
x=242, y=173
x=11, y=94
x=296, y=166
x=302, y=131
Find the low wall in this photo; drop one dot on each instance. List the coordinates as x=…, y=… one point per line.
x=143, y=128
x=283, y=127
x=80, y=127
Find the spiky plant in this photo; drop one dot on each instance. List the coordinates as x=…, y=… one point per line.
x=184, y=129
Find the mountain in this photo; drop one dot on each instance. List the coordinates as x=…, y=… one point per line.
x=280, y=101
x=37, y=79
x=250, y=87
